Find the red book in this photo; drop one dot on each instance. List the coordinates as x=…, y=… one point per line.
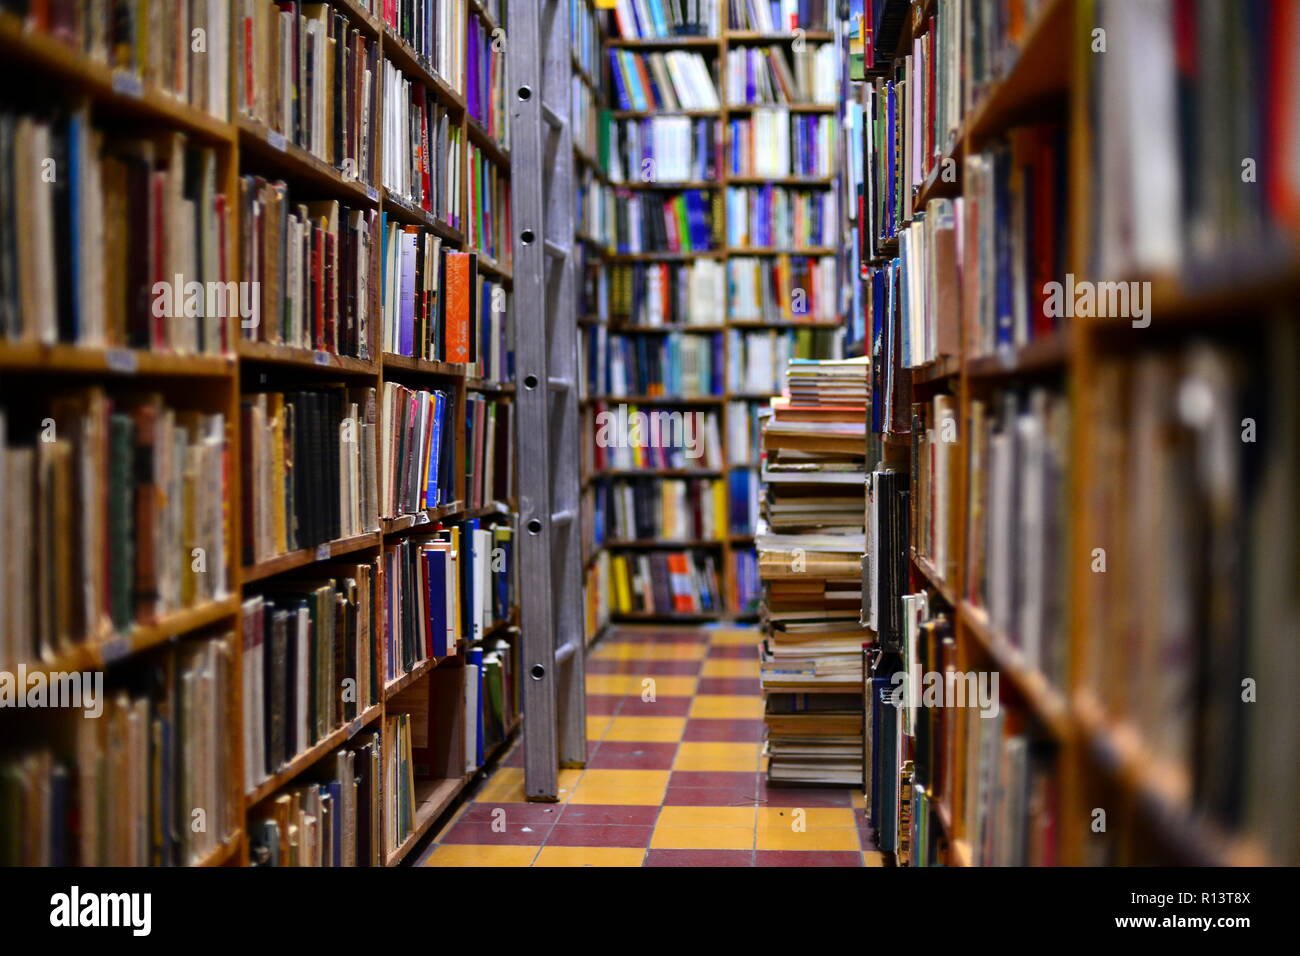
x=458, y=293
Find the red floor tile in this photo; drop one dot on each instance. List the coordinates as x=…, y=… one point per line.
x=709, y=797
x=723, y=731
x=732, y=686
x=570, y=834
x=744, y=652
x=632, y=755
x=807, y=858
x=520, y=814
x=661, y=706
x=803, y=796
x=601, y=705
x=714, y=778
x=515, y=833
x=599, y=814
x=699, y=858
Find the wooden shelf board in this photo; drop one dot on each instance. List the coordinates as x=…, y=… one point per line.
x=306, y=556
x=494, y=268
x=666, y=256
x=409, y=62
x=809, y=251
x=1044, y=700
x=407, y=363
x=828, y=109
x=664, y=544
x=265, y=145
x=403, y=210
x=1046, y=354
x=659, y=473
x=944, y=367
x=276, y=354
x=497, y=154
x=424, y=519
x=79, y=359
x=432, y=798
x=756, y=36
x=311, y=756
x=426, y=666
x=932, y=575
x=666, y=43
x=223, y=853
x=665, y=329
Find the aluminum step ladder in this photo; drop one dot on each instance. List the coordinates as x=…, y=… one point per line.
x=547, y=449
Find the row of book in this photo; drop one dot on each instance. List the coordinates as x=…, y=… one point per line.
x=485, y=93
x=595, y=206
x=312, y=265
x=763, y=75
x=1191, y=600
x=774, y=217
x=676, y=365
x=1016, y=565
x=489, y=451
x=668, y=509
x=434, y=30
x=810, y=540
x=747, y=588
x=651, y=19
x=674, y=80
x=779, y=16
x=308, y=74
x=487, y=222
x=147, y=781
x=110, y=240
x=155, y=45
x=742, y=501
x=331, y=819
x=423, y=146
x=1212, y=183
x=623, y=437
x=667, y=293
x=927, y=309
x=418, y=443
x=115, y=511
x=665, y=583
x=310, y=663
x=678, y=222
x=782, y=288
x=597, y=591
x=757, y=361
x=935, y=496
x=431, y=297
x=585, y=36
x=308, y=468
x=771, y=143
x=663, y=149
x=445, y=588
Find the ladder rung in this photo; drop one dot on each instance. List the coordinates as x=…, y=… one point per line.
x=555, y=250
x=565, y=651
x=552, y=118
x=559, y=384
x=562, y=517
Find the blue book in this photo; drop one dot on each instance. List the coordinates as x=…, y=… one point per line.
x=432, y=492
x=335, y=790
x=435, y=567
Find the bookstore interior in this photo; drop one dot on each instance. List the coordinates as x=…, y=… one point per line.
x=676, y=433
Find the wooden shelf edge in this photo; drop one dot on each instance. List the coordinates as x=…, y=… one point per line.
x=307, y=556
x=311, y=756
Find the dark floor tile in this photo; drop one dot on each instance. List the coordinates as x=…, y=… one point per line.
x=515, y=834
x=699, y=858
x=661, y=706
x=723, y=731
x=743, y=652
x=602, y=705
x=647, y=668
x=632, y=755
x=600, y=814
x=715, y=778
x=709, y=797
x=807, y=858
x=572, y=834
x=732, y=686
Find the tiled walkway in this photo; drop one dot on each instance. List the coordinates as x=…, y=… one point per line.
x=673, y=778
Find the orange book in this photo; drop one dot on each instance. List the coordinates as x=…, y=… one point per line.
x=459, y=297
x=680, y=574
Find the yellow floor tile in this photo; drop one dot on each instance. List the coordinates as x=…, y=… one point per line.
x=727, y=707
x=619, y=796
x=635, y=779
x=597, y=725
x=651, y=652
x=707, y=817
x=814, y=818
x=729, y=667
x=873, y=858
x=736, y=638
x=783, y=838
x=507, y=786
x=708, y=755
x=857, y=799
x=462, y=854
x=702, y=838
x=622, y=684
x=589, y=856
x=647, y=729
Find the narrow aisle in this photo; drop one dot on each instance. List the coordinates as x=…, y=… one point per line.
x=674, y=773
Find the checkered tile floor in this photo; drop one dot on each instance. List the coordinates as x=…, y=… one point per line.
x=676, y=780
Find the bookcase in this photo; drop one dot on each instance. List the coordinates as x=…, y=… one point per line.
x=1050, y=514
x=270, y=123
x=755, y=275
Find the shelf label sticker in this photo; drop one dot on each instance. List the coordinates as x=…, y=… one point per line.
x=322, y=552
x=122, y=360
x=355, y=726
x=128, y=83
x=372, y=193
x=322, y=357
x=115, y=649
x=275, y=139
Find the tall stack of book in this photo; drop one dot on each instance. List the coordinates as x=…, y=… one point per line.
x=810, y=542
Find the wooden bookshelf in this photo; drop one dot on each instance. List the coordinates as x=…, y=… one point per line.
x=216, y=382
x=1148, y=795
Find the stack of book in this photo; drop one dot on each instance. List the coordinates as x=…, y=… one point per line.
x=675, y=80
x=763, y=76
x=810, y=542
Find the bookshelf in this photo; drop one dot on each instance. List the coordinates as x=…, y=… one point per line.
x=715, y=47
x=1103, y=753
x=132, y=103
